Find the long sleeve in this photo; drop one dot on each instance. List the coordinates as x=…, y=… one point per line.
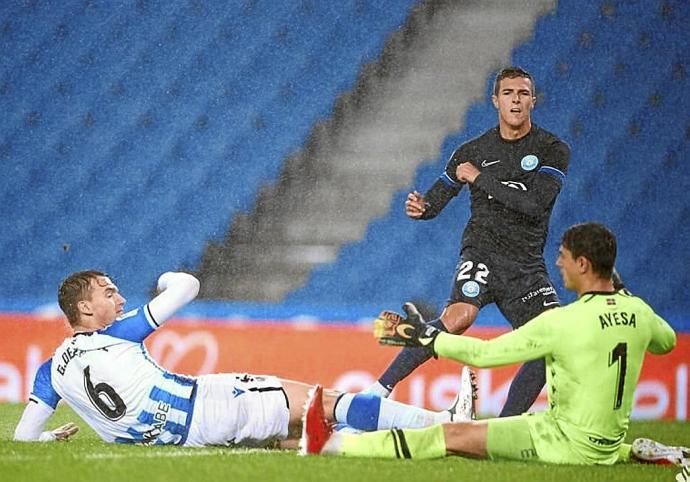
x=42, y=403
x=534, y=202
x=529, y=342
x=34, y=419
x=663, y=337
x=446, y=186
x=439, y=195
x=177, y=289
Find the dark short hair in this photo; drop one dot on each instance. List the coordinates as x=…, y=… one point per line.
x=511, y=73
x=595, y=242
x=73, y=289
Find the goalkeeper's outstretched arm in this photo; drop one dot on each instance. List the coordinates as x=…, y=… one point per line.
x=529, y=342
x=517, y=346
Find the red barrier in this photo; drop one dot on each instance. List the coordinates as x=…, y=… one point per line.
x=340, y=356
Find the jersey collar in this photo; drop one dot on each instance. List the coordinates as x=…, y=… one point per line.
x=592, y=294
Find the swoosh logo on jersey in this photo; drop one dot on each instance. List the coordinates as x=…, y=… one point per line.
x=486, y=163
x=550, y=303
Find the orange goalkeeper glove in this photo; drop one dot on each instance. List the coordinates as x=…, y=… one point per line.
x=391, y=328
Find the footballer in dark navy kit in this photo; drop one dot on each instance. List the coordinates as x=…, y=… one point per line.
x=514, y=172
x=512, y=198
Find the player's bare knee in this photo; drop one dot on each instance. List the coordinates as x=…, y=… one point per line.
x=459, y=317
x=455, y=435
x=330, y=398
x=466, y=438
x=289, y=444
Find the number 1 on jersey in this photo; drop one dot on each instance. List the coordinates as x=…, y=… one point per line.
x=619, y=355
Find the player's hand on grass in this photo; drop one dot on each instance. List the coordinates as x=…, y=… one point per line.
x=61, y=433
x=391, y=328
x=415, y=205
x=66, y=431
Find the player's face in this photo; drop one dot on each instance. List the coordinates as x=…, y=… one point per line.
x=106, y=303
x=569, y=268
x=514, y=101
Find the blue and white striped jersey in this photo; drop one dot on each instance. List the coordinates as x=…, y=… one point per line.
x=109, y=379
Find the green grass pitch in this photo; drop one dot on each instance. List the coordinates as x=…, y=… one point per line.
x=87, y=458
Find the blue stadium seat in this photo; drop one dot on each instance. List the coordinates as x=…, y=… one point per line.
x=613, y=74
x=122, y=121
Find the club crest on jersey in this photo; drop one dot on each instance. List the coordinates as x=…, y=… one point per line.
x=529, y=162
x=470, y=289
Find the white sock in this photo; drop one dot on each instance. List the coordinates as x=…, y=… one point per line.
x=379, y=390
x=367, y=411
x=398, y=415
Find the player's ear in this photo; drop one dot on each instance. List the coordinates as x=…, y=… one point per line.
x=84, y=308
x=583, y=264
x=494, y=100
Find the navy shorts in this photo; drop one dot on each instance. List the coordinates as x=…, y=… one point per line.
x=520, y=293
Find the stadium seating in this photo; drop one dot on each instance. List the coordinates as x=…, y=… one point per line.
x=132, y=134
x=611, y=79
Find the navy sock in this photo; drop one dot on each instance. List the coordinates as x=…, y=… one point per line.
x=525, y=388
x=407, y=361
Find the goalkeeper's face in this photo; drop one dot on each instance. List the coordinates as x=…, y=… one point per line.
x=570, y=268
x=104, y=306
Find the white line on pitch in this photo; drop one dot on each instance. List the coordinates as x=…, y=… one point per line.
x=133, y=455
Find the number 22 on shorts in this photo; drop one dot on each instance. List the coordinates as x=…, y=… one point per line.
x=480, y=275
x=471, y=287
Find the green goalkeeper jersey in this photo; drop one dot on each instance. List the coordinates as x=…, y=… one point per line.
x=594, y=349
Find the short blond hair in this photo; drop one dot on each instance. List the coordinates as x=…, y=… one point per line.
x=73, y=289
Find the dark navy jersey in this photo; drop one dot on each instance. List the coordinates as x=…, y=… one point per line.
x=513, y=196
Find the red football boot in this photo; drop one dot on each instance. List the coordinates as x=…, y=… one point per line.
x=315, y=429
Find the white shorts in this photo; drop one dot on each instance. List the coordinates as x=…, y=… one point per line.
x=238, y=409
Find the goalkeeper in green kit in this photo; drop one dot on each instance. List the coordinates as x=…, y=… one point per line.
x=593, y=347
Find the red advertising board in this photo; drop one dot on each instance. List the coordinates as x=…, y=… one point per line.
x=345, y=357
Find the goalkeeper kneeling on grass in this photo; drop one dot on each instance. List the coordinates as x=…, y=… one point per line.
x=594, y=349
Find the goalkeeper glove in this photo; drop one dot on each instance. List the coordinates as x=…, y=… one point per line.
x=390, y=328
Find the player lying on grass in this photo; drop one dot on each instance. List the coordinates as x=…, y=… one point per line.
x=593, y=347
x=106, y=375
